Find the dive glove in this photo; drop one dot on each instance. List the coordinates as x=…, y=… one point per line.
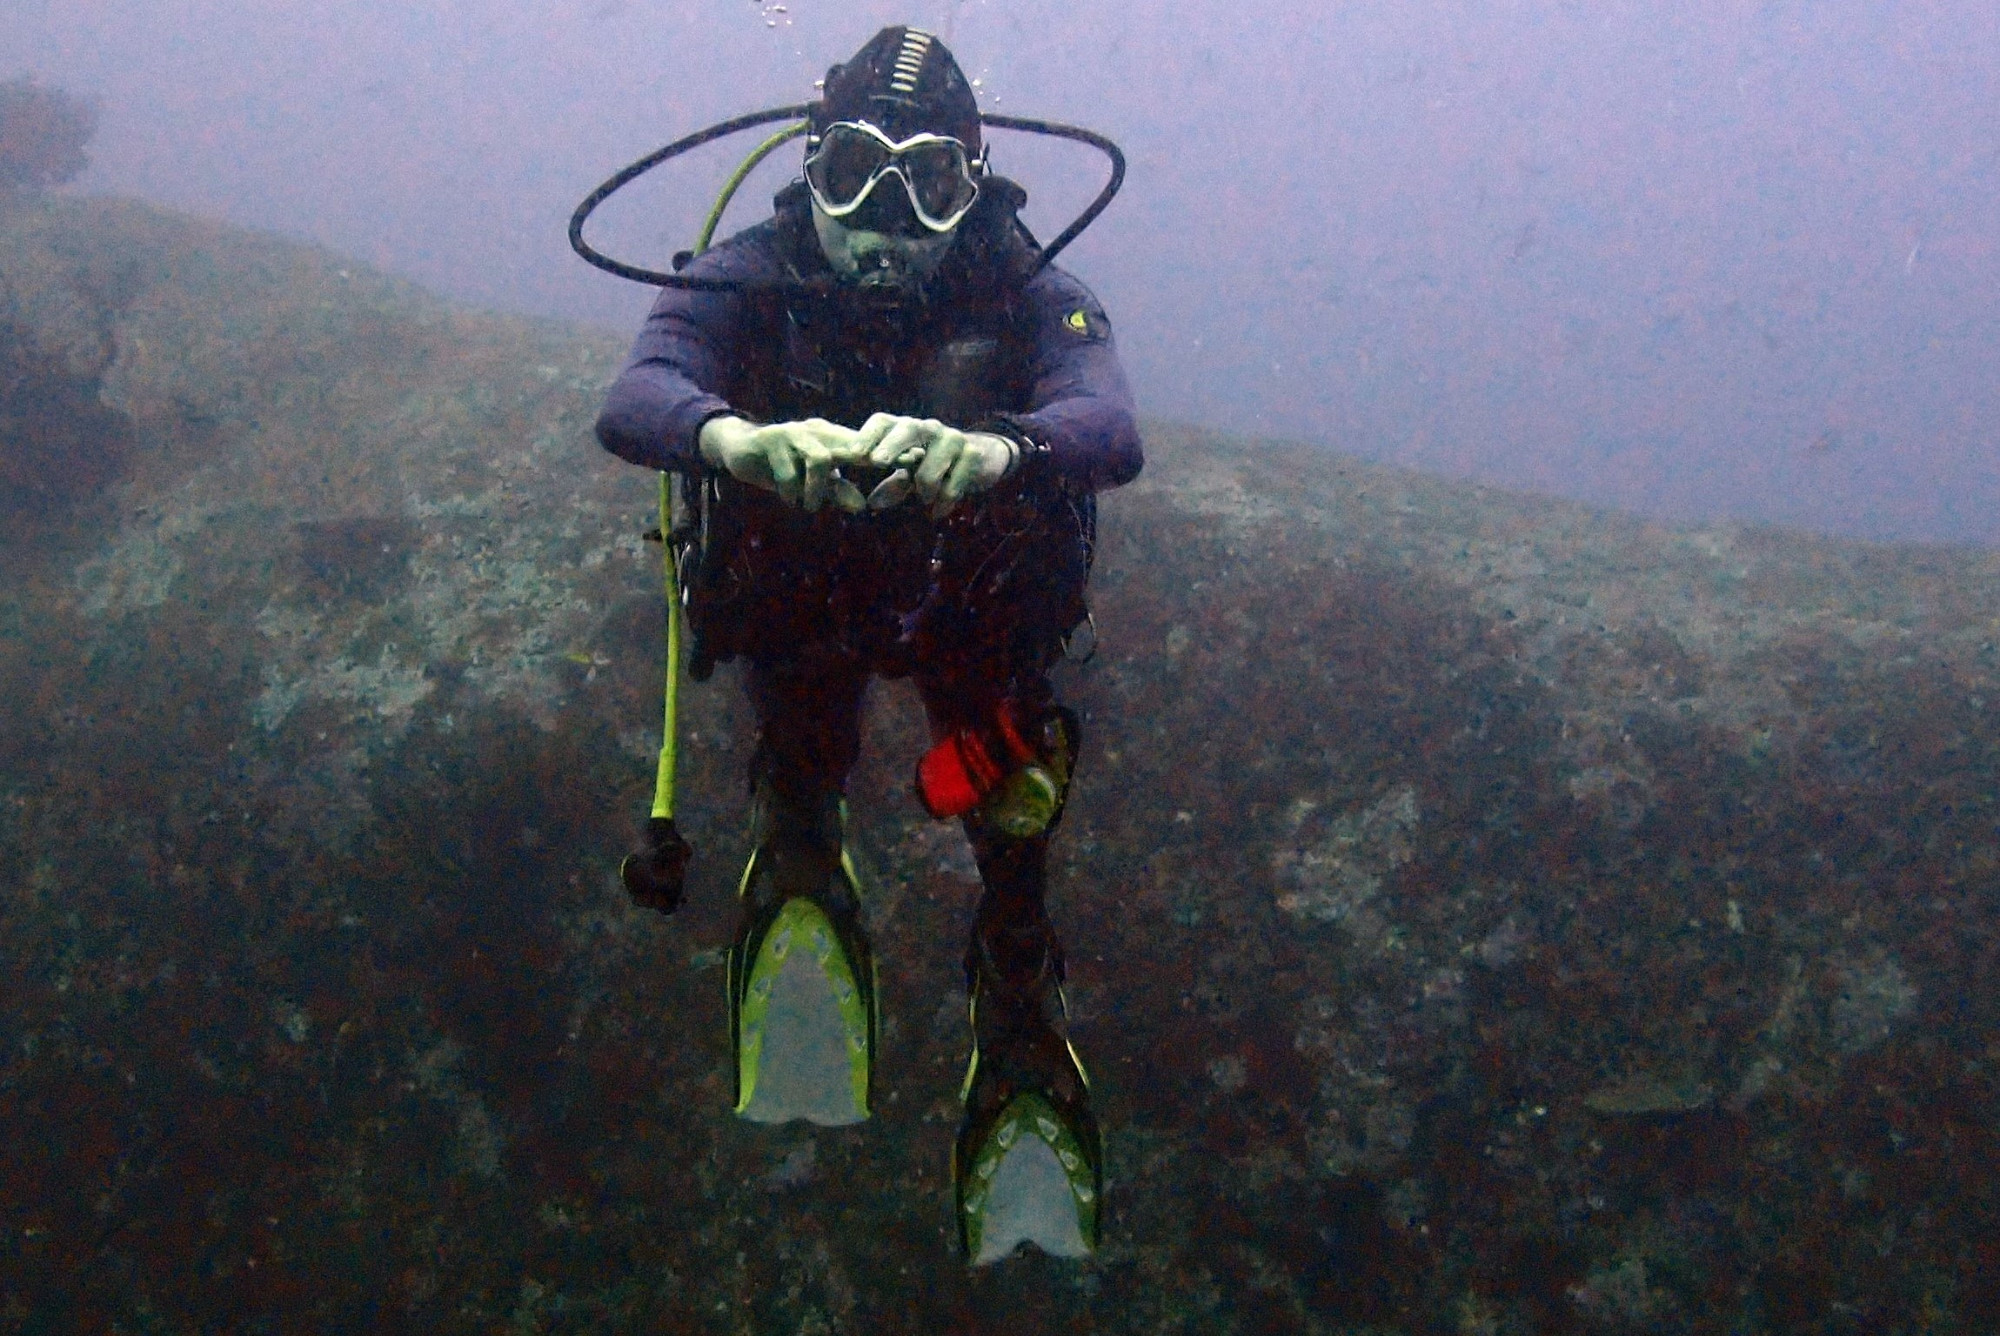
x=950, y=464
x=800, y=461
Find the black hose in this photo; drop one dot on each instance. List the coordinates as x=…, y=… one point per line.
x=647, y=164
x=797, y=112
x=1082, y=136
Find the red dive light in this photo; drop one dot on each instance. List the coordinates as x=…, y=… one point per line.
x=996, y=766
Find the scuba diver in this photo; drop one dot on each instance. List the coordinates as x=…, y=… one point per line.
x=897, y=415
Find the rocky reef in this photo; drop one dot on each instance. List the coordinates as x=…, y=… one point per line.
x=1486, y=915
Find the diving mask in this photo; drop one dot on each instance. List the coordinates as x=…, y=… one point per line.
x=846, y=161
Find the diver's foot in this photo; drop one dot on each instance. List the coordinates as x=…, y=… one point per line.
x=802, y=1016
x=1028, y=1163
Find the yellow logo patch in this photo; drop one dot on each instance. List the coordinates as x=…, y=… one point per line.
x=1085, y=323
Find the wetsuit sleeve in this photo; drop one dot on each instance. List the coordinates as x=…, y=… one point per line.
x=1081, y=411
x=678, y=371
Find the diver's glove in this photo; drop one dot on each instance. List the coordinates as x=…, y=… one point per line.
x=949, y=464
x=800, y=461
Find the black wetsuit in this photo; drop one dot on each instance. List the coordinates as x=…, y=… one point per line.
x=974, y=607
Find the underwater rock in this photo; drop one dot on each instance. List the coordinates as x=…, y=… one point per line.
x=355, y=555
x=60, y=443
x=44, y=131
x=1407, y=810
x=1621, y=1295
x=1871, y=996
x=1336, y=876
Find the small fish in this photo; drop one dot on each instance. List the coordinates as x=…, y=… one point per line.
x=1645, y=1094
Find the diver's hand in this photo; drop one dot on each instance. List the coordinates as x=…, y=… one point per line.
x=794, y=459
x=949, y=464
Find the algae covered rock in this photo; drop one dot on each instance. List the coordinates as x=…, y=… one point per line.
x=1483, y=913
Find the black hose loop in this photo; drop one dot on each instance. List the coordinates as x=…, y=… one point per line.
x=646, y=164
x=1081, y=136
x=800, y=111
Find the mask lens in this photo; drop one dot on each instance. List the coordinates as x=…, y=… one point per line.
x=851, y=160
x=938, y=178
x=845, y=162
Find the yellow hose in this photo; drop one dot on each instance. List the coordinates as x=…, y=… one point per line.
x=663, y=779
x=736, y=179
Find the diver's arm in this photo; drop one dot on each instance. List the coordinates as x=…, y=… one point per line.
x=1082, y=416
x=672, y=384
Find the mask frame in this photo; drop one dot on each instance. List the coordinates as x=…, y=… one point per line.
x=898, y=159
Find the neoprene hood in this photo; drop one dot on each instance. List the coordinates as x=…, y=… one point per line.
x=904, y=82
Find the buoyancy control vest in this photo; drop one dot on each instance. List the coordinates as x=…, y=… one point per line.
x=1002, y=576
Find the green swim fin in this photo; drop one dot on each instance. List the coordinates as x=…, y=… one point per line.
x=1028, y=1165
x=802, y=1017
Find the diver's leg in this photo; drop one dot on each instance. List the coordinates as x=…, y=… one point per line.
x=1025, y=1090
x=1027, y=1163
x=1014, y=960
x=808, y=706
x=801, y=977
x=808, y=735
x=1014, y=969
